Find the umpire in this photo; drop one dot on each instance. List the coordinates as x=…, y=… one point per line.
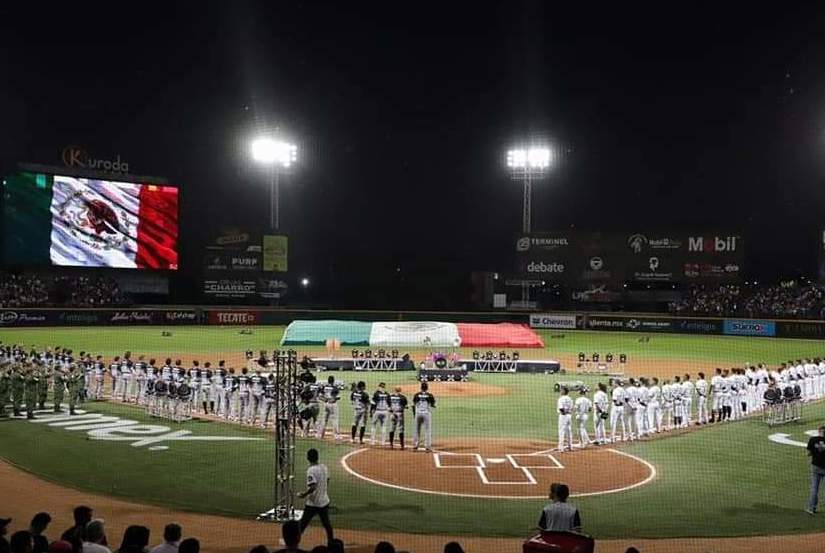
x=816, y=450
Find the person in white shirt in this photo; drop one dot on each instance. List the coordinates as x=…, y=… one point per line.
x=94, y=536
x=317, y=499
x=678, y=403
x=564, y=408
x=701, y=400
x=688, y=390
x=631, y=407
x=654, y=408
x=583, y=406
x=172, y=534
x=601, y=406
x=761, y=385
x=667, y=405
x=643, y=397
x=619, y=399
x=716, y=396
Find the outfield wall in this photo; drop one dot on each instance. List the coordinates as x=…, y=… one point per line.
x=627, y=322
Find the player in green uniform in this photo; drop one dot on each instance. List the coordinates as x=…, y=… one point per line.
x=5, y=385
x=75, y=386
x=18, y=384
x=43, y=385
x=59, y=381
x=32, y=385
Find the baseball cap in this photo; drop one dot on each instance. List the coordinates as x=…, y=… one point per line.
x=60, y=547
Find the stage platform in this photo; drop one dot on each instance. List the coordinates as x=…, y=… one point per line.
x=549, y=366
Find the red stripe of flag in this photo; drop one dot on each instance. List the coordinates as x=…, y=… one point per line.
x=157, y=233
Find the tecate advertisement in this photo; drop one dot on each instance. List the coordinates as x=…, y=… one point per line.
x=747, y=327
x=553, y=320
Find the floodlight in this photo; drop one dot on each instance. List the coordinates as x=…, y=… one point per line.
x=269, y=151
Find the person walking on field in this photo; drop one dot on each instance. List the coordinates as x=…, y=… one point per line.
x=317, y=498
x=816, y=450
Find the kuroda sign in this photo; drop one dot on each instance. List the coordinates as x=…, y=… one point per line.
x=77, y=157
x=110, y=428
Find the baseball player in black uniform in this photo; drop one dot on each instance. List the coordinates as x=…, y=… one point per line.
x=380, y=412
x=423, y=405
x=398, y=404
x=360, y=405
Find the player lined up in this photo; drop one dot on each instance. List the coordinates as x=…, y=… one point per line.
x=642, y=407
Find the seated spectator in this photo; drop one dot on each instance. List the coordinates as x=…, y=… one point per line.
x=291, y=532
x=453, y=547
x=336, y=546
x=171, y=538
x=21, y=542
x=189, y=545
x=94, y=537
x=384, y=547
x=74, y=535
x=4, y=543
x=135, y=540
x=320, y=549
x=560, y=515
x=39, y=523
x=60, y=546
x=259, y=549
x=632, y=550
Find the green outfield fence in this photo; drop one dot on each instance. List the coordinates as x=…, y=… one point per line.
x=628, y=322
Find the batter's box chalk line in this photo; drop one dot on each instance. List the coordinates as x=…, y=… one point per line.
x=480, y=464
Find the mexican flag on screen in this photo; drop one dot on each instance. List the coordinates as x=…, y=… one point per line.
x=98, y=223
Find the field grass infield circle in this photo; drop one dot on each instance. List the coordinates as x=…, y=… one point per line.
x=499, y=469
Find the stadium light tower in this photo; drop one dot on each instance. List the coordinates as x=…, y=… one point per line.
x=277, y=155
x=526, y=164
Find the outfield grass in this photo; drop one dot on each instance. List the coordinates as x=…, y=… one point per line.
x=726, y=480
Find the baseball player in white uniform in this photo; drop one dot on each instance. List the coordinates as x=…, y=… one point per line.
x=716, y=396
x=601, y=404
x=582, y=407
x=329, y=410
x=654, y=408
x=564, y=408
x=619, y=399
x=643, y=397
x=631, y=407
x=702, y=400
x=688, y=390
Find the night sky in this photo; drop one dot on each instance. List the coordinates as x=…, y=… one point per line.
x=665, y=118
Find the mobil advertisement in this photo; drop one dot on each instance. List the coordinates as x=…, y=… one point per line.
x=749, y=327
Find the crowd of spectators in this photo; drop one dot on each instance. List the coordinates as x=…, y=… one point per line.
x=33, y=290
x=88, y=535
x=786, y=300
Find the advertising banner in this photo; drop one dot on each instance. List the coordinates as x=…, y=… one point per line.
x=245, y=261
x=22, y=317
x=697, y=326
x=230, y=288
x=749, y=327
x=275, y=253
x=640, y=324
x=800, y=329
x=553, y=320
x=233, y=317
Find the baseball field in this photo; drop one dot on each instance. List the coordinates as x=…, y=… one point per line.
x=492, y=462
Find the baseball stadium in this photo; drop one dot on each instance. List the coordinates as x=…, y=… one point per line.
x=304, y=276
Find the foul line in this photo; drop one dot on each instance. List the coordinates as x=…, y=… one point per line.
x=360, y=476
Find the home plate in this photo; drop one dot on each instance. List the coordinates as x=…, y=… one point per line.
x=496, y=460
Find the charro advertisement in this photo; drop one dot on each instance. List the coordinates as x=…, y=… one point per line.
x=233, y=317
x=553, y=320
x=749, y=327
x=230, y=288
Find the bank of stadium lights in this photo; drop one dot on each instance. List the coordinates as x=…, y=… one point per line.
x=526, y=164
x=278, y=155
x=305, y=282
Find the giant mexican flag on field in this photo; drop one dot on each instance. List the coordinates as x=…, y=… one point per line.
x=421, y=334
x=96, y=223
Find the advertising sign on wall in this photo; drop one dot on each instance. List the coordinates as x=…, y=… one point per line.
x=749, y=327
x=553, y=320
x=276, y=249
x=230, y=288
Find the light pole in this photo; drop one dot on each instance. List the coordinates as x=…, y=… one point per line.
x=277, y=155
x=526, y=164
